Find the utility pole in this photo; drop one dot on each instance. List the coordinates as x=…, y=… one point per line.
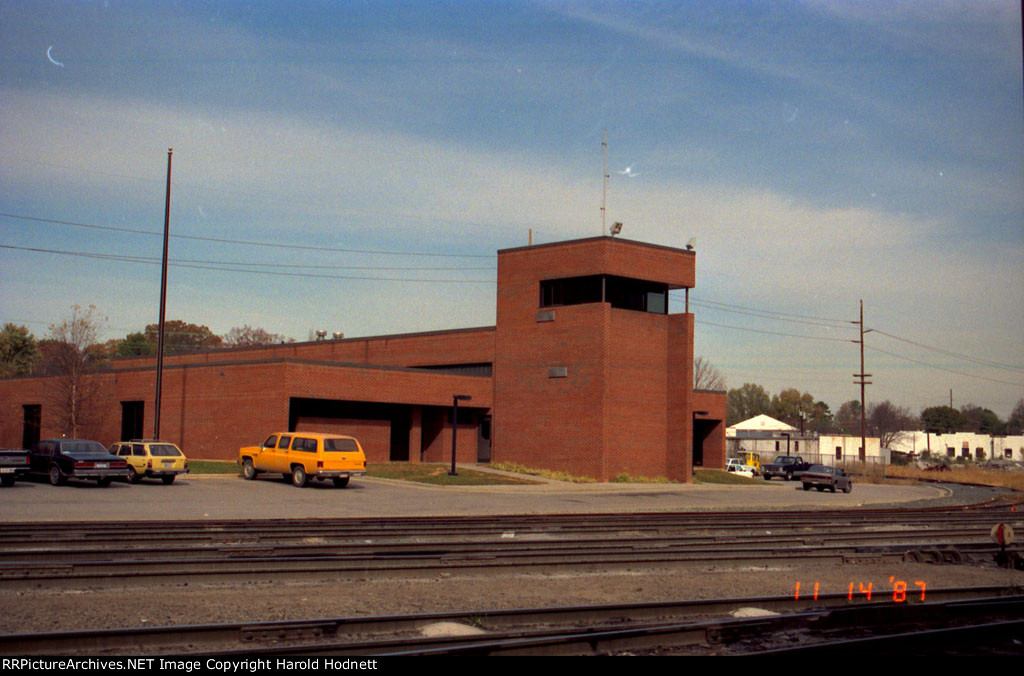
x=862, y=382
x=604, y=189
x=163, y=301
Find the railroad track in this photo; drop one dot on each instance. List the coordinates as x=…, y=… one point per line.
x=90, y=555
x=264, y=530
x=675, y=626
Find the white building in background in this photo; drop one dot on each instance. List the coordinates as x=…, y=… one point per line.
x=967, y=445
x=769, y=437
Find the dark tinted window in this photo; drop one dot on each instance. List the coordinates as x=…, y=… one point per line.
x=303, y=444
x=345, y=445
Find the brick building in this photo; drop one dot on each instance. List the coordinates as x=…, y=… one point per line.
x=585, y=371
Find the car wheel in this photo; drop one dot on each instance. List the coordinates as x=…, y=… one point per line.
x=167, y=479
x=56, y=476
x=767, y=478
x=299, y=477
x=789, y=476
x=105, y=481
x=341, y=482
x=849, y=487
x=248, y=471
x=807, y=487
x=133, y=476
x=7, y=480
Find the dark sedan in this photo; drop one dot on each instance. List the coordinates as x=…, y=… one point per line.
x=821, y=477
x=63, y=459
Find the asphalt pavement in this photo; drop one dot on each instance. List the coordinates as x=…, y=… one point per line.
x=218, y=497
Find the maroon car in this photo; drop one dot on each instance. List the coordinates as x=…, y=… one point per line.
x=823, y=476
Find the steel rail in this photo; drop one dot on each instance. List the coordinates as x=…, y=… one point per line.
x=259, y=568
x=669, y=637
x=343, y=528
x=323, y=532
x=987, y=638
x=717, y=633
x=379, y=632
x=91, y=551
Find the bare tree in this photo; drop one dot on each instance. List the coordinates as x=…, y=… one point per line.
x=246, y=336
x=70, y=359
x=889, y=422
x=706, y=376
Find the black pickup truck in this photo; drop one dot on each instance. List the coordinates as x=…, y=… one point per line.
x=13, y=463
x=788, y=467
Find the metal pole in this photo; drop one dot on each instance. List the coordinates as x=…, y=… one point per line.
x=604, y=185
x=163, y=301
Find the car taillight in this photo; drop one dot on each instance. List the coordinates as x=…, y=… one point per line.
x=149, y=464
x=319, y=464
x=84, y=465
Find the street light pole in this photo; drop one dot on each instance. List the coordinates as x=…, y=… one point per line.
x=455, y=425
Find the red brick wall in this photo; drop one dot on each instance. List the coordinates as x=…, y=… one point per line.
x=211, y=410
x=714, y=443
x=625, y=405
x=636, y=390
x=611, y=413
x=679, y=438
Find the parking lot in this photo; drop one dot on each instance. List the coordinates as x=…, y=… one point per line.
x=230, y=497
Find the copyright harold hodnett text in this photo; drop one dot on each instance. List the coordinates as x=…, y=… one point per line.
x=218, y=665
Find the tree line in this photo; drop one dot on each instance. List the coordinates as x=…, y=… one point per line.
x=883, y=419
x=74, y=343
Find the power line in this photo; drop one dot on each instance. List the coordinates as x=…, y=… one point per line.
x=137, y=259
x=781, y=316
x=983, y=362
x=245, y=264
x=764, y=314
x=941, y=368
x=244, y=242
x=773, y=333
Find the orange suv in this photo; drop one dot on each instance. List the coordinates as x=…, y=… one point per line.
x=301, y=456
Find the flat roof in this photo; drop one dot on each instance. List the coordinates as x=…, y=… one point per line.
x=596, y=239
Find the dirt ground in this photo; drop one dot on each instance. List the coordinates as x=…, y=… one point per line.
x=34, y=611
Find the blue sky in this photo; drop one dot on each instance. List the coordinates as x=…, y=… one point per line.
x=820, y=152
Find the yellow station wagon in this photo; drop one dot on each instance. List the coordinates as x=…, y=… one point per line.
x=301, y=456
x=151, y=458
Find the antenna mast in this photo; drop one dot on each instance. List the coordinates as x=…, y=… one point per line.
x=604, y=189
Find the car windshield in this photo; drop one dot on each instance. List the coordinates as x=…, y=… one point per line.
x=164, y=450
